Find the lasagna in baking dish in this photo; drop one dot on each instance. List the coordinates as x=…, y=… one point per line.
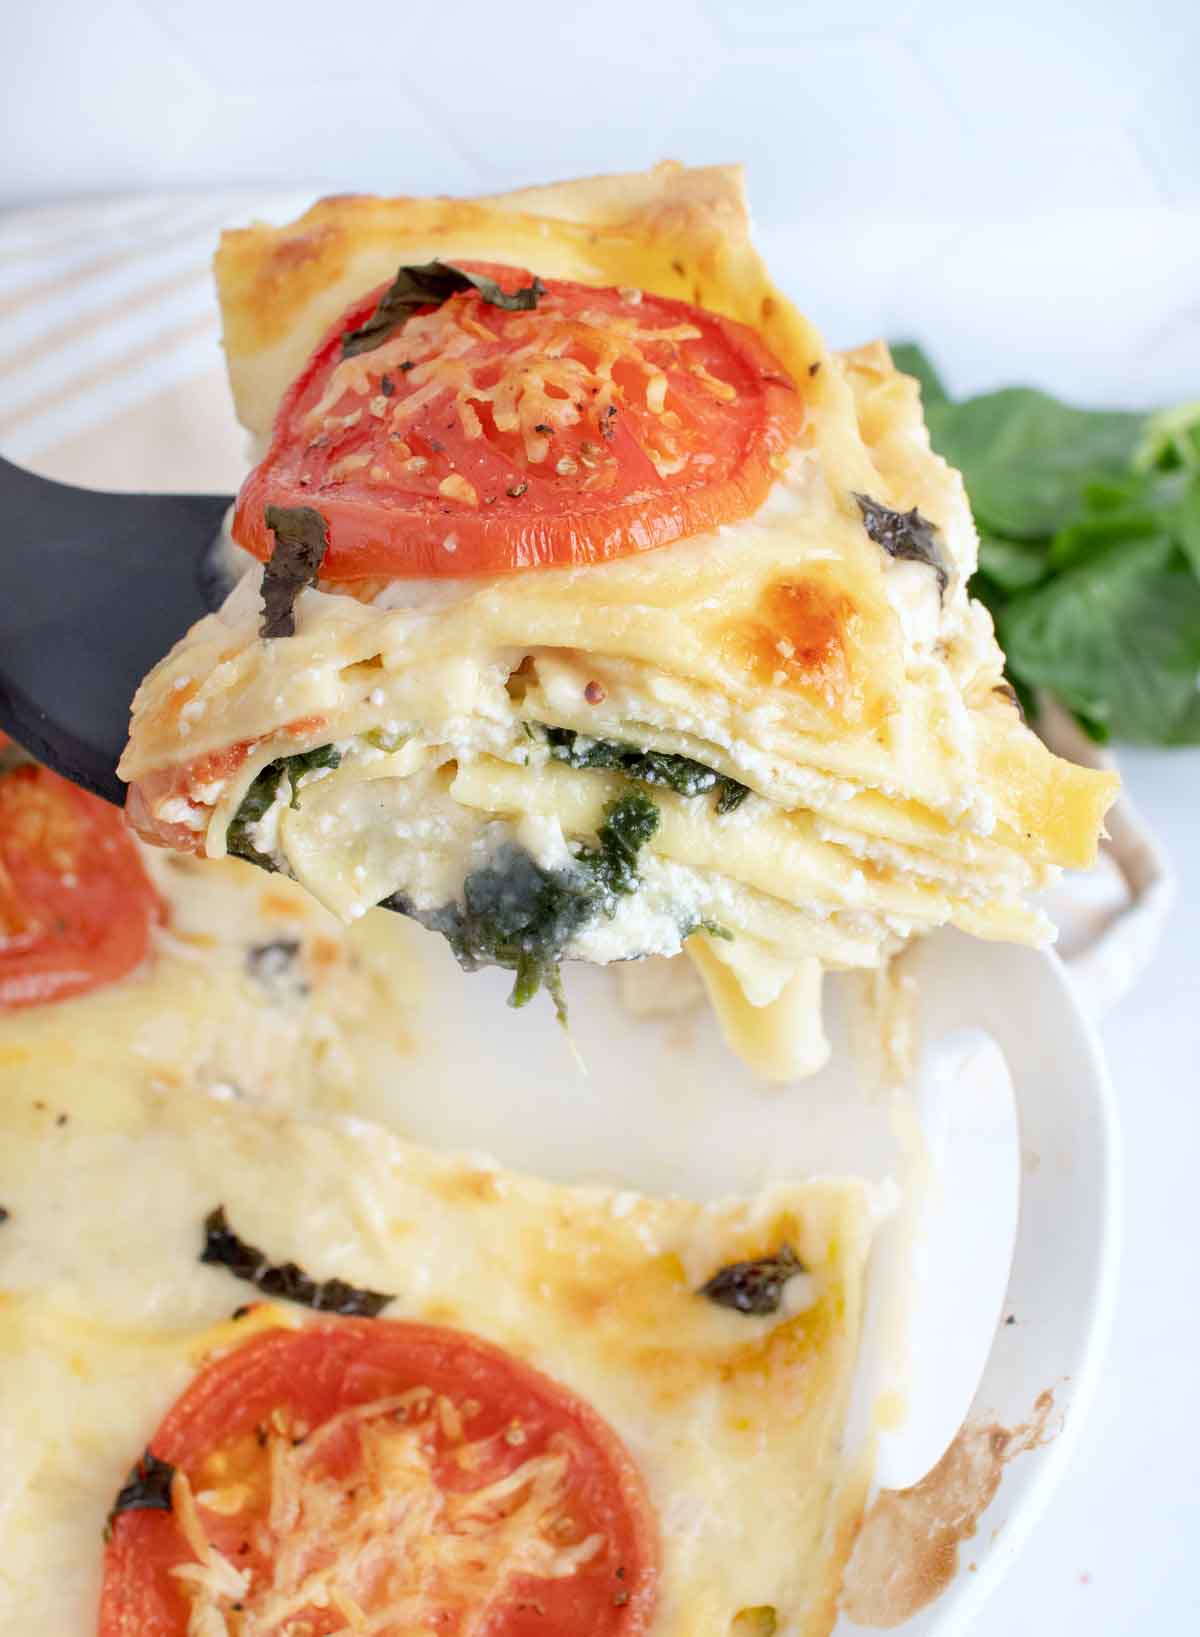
x=605, y=611
x=274, y=1379
x=124, y=966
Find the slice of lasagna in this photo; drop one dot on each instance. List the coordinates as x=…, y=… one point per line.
x=319, y=1380
x=605, y=611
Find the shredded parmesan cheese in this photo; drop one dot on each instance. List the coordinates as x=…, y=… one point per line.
x=387, y=1548
x=555, y=369
x=456, y=487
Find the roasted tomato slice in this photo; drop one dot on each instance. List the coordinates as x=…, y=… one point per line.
x=375, y=1475
x=76, y=906
x=477, y=440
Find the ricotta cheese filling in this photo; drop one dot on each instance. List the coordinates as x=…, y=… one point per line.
x=453, y=752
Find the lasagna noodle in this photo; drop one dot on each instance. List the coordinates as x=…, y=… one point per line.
x=734, y=1421
x=895, y=787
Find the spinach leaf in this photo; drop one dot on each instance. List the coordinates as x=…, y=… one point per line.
x=301, y=541
x=1171, y=440
x=1024, y=455
x=429, y=285
x=905, y=534
x=518, y=915
x=754, y=1287
x=1013, y=565
x=660, y=767
x=1118, y=639
x=1089, y=553
x=262, y=793
x=1186, y=522
x=224, y=1248
x=146, y=1489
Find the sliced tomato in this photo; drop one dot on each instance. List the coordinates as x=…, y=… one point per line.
x=477, y=440
x=371, y=1474
x=76, y=906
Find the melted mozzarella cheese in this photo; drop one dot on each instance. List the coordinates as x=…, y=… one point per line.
x=857, y=695
x=106, y=1311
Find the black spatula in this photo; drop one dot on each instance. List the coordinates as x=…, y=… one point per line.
x=94, y=589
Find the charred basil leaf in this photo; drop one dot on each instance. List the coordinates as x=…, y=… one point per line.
x=5, y=1213
x=147, y=1489
x=519, y=916
x=754, y=1287
x=223, y=1248
x=262, y=793
x=905, y=534
x=679, y=773
x=301, y=541
x=429, y=286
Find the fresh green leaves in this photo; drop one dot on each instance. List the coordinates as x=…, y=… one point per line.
x=430, y=285
x=520, y=916
x=1028, y=455
x=261, y=796
x=1117, y=639
x=659, y=767
x=301, y=541
x=907, y=535
x=1089, y=549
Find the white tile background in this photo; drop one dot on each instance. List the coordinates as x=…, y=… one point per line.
x=1019, y=185
x=910, y=108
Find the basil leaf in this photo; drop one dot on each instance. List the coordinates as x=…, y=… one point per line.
x=301, y=541
x=147, y=1489
x=224, y=1248
x=906, y=535
x=429, y=285
x=754, y=1287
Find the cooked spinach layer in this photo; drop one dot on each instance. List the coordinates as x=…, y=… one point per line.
x=262, y=793
x=518, y=915
x=678, y=773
